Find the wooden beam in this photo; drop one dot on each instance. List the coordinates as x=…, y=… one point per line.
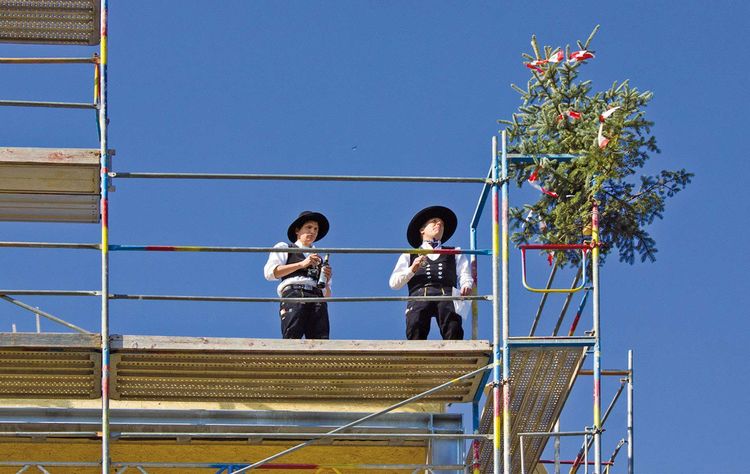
x=170, y=343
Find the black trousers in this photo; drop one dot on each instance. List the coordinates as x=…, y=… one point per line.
x=419, y=315
x=303, y=319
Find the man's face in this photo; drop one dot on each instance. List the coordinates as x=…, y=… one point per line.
x=433, y=229
x=307, y=233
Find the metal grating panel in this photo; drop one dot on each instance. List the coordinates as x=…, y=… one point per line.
x=312, y=375
x=49, y=21
x=541, y=379
x=49, y=373
x=153, y=368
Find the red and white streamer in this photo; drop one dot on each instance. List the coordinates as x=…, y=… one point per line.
x=533, y=180
x=605, y=115
x=536, y=65
x=557, y=57
x=601, y=140
x=581, y=55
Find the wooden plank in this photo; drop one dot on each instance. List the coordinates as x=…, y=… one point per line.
x=170, y=343
x=62, y=202
x=22, y=178
x=49, y=208
x=41, y=156
x=50, y=340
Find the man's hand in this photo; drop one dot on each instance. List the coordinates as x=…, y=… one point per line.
x=418, y=262
x=311, y=261
x=466, y=291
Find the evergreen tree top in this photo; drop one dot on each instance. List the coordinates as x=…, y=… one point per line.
x=609, y=132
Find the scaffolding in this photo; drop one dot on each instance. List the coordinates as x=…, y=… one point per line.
x=531, y=376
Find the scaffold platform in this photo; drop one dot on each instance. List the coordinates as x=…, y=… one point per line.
x=542, y=379
x=183, y=400
x=49, y=184
x=160, y=368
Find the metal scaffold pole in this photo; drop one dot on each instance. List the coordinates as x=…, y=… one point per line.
x=506, y=311
x=597, y=339
x=630, y=412
x=103, y=119
x=496, y=387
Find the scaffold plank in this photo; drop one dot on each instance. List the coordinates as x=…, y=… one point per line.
x=541, y=380
x=50, y=22
x=156, y=368
x=49, y=170
x=49, y=184
x=179, y=368
x=49, y=208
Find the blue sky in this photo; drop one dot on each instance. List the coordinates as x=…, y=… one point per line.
x=292, y=87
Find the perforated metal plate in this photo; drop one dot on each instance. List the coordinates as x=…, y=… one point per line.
x=152, y=368
x=49, y=21
x=49, y=373
x=296, y=370
x=541, y=380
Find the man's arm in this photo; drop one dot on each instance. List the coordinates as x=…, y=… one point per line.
x=280, y=271
x=403, y=272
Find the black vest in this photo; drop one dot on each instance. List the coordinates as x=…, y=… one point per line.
x=310, y=272
x=439, y=273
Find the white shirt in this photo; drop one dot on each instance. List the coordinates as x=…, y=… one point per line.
x=402, y=272
x=279, y=258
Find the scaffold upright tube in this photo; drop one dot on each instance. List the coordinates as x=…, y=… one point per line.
x=103, y=124
x=597, y=334
x=506, y=358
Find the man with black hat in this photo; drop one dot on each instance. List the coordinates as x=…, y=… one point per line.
x=300, y=274
x=433, y=274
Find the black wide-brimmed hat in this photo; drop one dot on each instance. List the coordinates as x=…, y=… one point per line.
x=305, y=216
x=449, y=218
